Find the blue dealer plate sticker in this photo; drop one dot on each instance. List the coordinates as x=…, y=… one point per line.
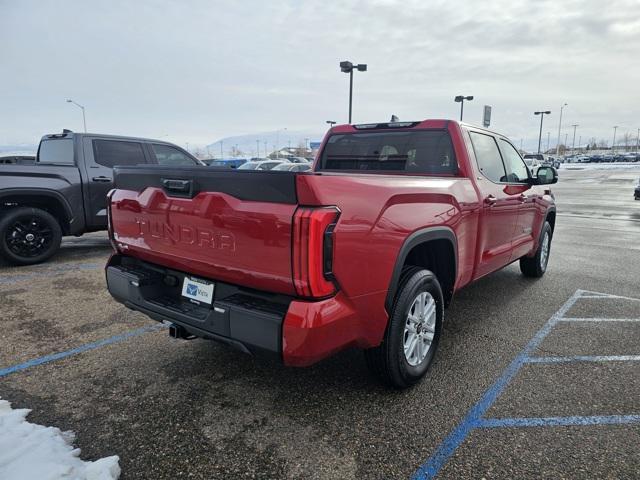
x=199, y=290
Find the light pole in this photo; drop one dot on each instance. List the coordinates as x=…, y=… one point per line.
x=460, y=99
x=559, y=128
x=542, y=114
x=84, y=119
x=347, y=67
x=613, y=145
x=257, y=148
x=221, y=152
x=548, y=136
x=573, y=146
x=331, y=123
x=638, y=143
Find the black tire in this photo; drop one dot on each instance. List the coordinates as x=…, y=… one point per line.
x=388, y=360
x=18, y=225
x=536, y=265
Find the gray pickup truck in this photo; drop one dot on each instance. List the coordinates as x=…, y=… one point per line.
x=65, y=191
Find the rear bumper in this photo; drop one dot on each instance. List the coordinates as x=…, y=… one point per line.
x=299, y=333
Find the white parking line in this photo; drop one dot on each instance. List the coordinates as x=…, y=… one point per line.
x=585, y=358
x=572, y=319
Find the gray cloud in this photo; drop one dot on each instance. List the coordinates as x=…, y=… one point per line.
x=201, y=70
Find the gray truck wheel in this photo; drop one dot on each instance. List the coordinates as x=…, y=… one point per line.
x=413, y=332
x=28, y=235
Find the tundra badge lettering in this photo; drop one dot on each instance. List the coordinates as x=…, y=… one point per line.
x=186, y=234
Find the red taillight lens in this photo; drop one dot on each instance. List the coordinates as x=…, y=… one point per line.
x=313, y=251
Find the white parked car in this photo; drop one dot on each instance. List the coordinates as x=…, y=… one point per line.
x=261, y=165
x=293, y=167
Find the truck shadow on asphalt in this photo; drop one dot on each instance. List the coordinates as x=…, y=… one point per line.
x=346, y=372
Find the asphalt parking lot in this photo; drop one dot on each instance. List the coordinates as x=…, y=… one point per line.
x=533, y=379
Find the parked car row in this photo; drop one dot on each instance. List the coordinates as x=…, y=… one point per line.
x=258, y=163
x=17, y=160
x=606, y=158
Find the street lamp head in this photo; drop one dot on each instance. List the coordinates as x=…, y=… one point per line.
x=69, y=100
x=547, y=112
x=346, y=66
x=470, y=97
x=362, y=67
x=458, y=98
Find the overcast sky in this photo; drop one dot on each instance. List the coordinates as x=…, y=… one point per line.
x=196, y=71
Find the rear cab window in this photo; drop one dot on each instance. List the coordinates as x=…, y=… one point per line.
x=428, y=152
x=57, y=151
x=110, y=153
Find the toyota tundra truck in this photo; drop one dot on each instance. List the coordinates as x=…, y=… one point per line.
x=365, y=251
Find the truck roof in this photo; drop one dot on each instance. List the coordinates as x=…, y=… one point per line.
x=70, y=134
x=418, y=124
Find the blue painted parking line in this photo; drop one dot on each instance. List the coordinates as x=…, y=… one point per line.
x=47, y=272
x=473, y=419
x=559, y=421
x=585, y=358
x=75, y=351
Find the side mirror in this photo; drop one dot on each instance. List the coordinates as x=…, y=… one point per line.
x=546, y=176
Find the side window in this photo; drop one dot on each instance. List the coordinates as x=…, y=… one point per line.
x=516, y=167
x=167, y=155
x=488, y=157
x=110, y=153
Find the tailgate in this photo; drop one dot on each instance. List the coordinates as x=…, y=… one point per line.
x=232, y=226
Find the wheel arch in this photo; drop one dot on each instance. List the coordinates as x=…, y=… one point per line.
x=434, y=248
x=551, y=218
x=48, y=200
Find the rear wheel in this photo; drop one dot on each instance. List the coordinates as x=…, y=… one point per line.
x=536, y=266
x=28, y=235
x=413, y=332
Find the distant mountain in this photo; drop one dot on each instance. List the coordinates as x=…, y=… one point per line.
x=267, y=143
x=21, y=149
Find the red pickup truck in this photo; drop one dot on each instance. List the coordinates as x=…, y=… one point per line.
x=364, y=251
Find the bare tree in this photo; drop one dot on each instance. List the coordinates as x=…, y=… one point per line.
x=627, y=139
x=602, y=143
x=236, y=152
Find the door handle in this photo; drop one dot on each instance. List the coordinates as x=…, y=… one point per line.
x=523, y=198
x=101, y=179
x=490, y=200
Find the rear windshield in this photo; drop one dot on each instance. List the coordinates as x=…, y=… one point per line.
x=417, y=151
x=56, y=151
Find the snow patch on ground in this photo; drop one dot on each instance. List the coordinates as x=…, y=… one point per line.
x=30, y=451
